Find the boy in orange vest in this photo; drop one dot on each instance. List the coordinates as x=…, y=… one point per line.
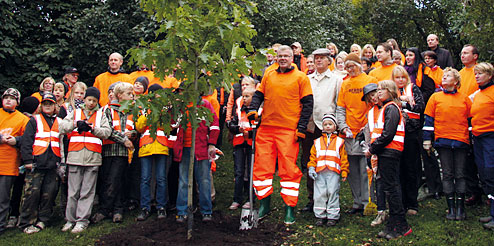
x=328, y=160
x=242, y=147
x=86, y=127
x=40, y=153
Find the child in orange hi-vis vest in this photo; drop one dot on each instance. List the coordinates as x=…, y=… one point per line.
x=40, y=154
x=86, y=126
x=242, y=148
x=328, y=160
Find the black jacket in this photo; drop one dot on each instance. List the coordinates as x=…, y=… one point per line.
x=391, y=122
x=444, y=58
x=47, y=160
x=412, y=125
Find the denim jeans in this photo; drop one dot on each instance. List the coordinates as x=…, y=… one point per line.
x=453, y=163
x=242, y=156
x=160, y=172
x=203, y=179
x=483, y=148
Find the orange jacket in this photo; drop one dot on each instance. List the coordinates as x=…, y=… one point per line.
x=11, y=124
x=383, y=72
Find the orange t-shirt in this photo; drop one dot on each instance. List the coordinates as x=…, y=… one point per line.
x=11, y=124
x=468, y=81
x=282, y=94
x=376, y=64
x=436, y=74
x=450, y=113
x=350, y=96
x=483, y=111
x=103, y=82
x=383, y=72
x=275, y=66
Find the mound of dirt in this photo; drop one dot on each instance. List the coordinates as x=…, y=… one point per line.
x=223, y=230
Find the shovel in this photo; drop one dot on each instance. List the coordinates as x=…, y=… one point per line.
x=250, y=217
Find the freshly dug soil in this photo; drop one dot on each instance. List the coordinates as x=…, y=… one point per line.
x=223, y=230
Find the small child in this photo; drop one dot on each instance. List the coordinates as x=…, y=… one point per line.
x=87, y=126
x=328, y=160
x=242, y=147
x=40, y=153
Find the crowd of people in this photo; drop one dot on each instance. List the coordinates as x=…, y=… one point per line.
x=374, y=117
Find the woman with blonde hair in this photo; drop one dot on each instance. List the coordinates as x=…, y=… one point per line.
x=369, y=52
x=412, y=103
x=45, y=86
x=387, y=143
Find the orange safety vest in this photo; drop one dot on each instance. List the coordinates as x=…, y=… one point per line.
x=328, y=154
x=407, y=91
x=46, y=136
x=371, y=117
x=129, y=123
x=79, y=141
x=147, y=139
x=238, y=139
x=398, y=139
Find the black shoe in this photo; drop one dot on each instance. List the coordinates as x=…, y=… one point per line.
x=473, y=200
x=161, y=213
x=356, y=211
x=460, y=207
x=331, y=223
x=319, y=222
x=97, y=217
x=143, y=215
x=181, y=218
x=308, y=208
x=437, y=196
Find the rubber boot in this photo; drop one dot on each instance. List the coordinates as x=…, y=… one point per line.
x=289, y=215
x=265, y=207
x=450, y=199
x=460, y=207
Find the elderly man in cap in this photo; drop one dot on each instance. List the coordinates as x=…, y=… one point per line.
x=298, y=57
x=351, y=116
x=114, y=74
x=325, y=88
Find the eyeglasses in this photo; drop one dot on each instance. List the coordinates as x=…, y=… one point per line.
x=284, y=56
x=75, y=75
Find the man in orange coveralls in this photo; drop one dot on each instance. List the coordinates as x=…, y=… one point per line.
x=288, y=102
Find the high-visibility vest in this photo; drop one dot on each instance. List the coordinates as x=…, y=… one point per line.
x=160, y=137
x=79, y=141
x=243, y=121
x=407, y=91
x=371, y=117
x=328, y=154
x=398, y=139
x=46, y=136
x=129, y=123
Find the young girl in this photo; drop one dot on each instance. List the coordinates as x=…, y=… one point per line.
x=40, y=151
x=328, y=160
x=387, y=143
x=446, y=119
x=59, y=91
x=75, y=99
x=141, y=85
x=115, y=157
x=412, y=102
x=86, y=127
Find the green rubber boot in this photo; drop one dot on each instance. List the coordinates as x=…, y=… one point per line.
x=289, y=215
x=265, y=207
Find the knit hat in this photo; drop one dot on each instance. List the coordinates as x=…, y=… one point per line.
x=29, y=105
x=330, y=117
x=49, y=97
x=13, y=92
x=144, y=81
x=368, y=89
x=353, y=57
x=154, y=87
x=112, y=86
x=92, y=92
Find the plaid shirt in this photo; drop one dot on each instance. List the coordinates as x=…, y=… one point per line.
x=118, y=148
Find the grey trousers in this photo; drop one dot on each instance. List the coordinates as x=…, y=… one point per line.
x=82, y=188
x=358, y=180
x=5, y=186
x=327, y=195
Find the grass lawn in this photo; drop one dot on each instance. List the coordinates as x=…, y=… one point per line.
x=430, y=226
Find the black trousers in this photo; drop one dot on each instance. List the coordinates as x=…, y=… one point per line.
x=431, y=172
x=389, y=170
x=410, y=169
x=306, y=147
x=5, y=186
x=110, y=182
x=15, y=199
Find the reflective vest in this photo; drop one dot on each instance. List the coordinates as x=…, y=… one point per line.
x=407, y=91
x=371, y=117
x=160, y=137
x=398, y=139
x=328, y=154
x=79, y=141
x=46, y=136
x=243, y=122
x=129, y=123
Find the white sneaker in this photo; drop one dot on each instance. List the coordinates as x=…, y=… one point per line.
x=380, y=218
x=78, y=228
x=41, y=225
x=234, y=205
x=12, y=222
x=31, y=229
x=246, y=205
x=67, y=226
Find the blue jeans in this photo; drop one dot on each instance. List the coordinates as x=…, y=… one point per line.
x=160, y=169
x=483, y=148
x=203, y=179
